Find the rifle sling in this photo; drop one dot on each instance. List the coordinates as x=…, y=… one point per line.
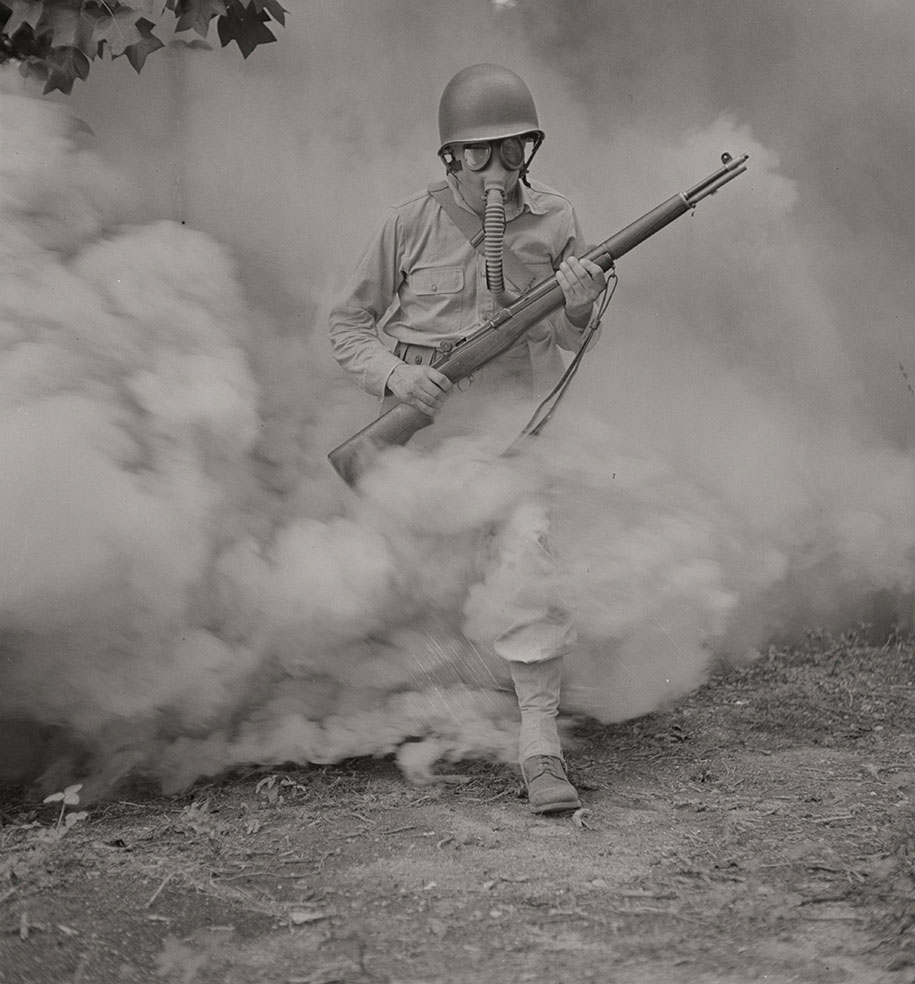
x=518, y=272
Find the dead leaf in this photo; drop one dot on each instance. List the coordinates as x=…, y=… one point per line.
x=299, y=917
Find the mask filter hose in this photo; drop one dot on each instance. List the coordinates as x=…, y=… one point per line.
x=493, y=239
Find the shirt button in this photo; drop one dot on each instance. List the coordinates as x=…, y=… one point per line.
x=434, y=288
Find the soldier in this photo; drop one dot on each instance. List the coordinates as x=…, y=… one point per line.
x=443, y=261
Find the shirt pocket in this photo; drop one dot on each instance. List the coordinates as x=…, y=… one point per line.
x=432, y=281
x=434, y=300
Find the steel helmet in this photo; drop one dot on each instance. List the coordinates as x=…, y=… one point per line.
x=486, y=102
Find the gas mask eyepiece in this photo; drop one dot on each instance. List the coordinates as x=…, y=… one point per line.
x=510, y=151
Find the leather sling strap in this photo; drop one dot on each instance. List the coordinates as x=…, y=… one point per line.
x=517, y=270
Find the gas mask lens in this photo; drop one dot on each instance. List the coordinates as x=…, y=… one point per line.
x=510, y=150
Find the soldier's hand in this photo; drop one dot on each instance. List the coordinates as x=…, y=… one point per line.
x=582, y=282
x=422, y=387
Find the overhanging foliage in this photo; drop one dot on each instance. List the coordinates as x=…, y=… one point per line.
x=57, y=40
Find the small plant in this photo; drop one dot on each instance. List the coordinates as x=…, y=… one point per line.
x=30, y=847
x=69, y=797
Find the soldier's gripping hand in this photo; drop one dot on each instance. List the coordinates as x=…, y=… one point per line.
x=582, y=282
x=422, y=387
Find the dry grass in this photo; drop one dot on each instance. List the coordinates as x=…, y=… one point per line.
x=760, y=829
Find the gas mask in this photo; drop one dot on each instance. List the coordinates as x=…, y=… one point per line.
x=499, y=158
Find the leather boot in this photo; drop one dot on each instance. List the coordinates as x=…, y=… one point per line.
x=548, y=787
x=537, y=687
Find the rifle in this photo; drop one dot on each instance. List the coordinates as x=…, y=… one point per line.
x=462, y=358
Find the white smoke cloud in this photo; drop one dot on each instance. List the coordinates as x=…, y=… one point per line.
x=181, y=592
x=187, y=584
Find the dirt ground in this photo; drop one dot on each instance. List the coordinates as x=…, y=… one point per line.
x=760, y=830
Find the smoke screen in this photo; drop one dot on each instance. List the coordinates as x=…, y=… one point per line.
x=188, y=587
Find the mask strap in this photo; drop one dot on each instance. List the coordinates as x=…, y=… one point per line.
x=538, y=140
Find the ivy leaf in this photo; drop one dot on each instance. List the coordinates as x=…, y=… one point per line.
x=154, y=8
x=22, y=12
x=118, y=30
x=138, y=53
x=245, y=26
x=273, y=8
x=197, y=14
x=65, y=66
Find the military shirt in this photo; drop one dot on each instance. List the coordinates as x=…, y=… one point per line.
x=419, y=281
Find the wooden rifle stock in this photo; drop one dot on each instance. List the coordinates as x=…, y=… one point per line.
x=397, y=425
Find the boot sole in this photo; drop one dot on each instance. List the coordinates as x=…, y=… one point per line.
x=560, y=807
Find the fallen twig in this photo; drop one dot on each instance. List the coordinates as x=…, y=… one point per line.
x=833, y=917
x=155, y=894
x=814, y=899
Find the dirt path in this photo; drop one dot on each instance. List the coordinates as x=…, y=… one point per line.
x=762, y=830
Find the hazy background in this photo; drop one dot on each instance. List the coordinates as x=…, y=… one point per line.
x=188, y=586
